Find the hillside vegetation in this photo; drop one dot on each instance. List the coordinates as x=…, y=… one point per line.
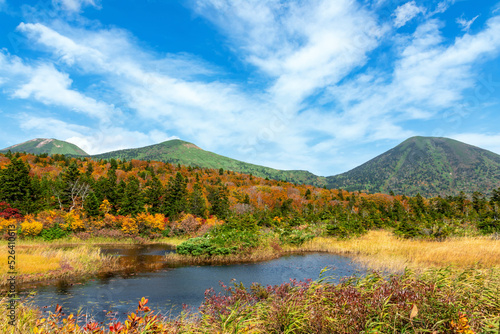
x=48, y=146
x=187, y=154
x=426, y=165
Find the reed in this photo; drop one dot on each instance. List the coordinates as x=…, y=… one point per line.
x=43, y=263
x=440, y=300
x=26, y=317
x=92, y=241
x=382, y=250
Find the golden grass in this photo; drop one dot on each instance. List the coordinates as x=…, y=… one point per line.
x=34, y=264
x=93, y=241
x=382, y=250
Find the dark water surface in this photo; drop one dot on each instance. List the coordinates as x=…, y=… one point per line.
x=169, y=288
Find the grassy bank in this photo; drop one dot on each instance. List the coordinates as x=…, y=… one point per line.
x=378, y=249
x=38, y=260
x=46, y=263
x=382, y=250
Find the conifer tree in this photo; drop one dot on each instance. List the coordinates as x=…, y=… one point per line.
x=219, y=201
x=176, y=196
x=132, y=201
x=15, y=185
x=91, y=205
x=197, y=203
x=154, y=194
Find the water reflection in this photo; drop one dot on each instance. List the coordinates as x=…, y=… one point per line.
x=169, y=288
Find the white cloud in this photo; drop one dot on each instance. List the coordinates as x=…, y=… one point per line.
x=466, y=24
x=300, y=50
x=74, y=6
x=427, y=74
x=406, y=13
x=52, y=87
x=303, y=46
x=44, y=127
x=443, y=6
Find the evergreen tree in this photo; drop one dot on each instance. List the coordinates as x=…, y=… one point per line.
x=176, y=196
x=132, y=201
x=197, y=203
x=90, y=168
x=219, y=201
x=15, y=185
x=91, y=205
x=154, y=194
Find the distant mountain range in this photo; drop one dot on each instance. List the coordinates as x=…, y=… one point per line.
x=43, y=145
x=427, y=165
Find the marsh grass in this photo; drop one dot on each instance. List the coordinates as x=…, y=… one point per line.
x=382, y=250
x=440, y=300
x=44, y=263
x=26, y=316
x=92, y=241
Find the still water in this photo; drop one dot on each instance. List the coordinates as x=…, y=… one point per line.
x=169, y=288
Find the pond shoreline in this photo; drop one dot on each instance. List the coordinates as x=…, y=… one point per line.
x=377, y=250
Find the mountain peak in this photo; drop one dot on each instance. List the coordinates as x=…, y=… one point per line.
x=46, y=145
x=430, y=166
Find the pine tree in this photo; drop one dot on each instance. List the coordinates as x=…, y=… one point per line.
x=176, y=196
x=154, y=194
x=219, y=201
x=197, y=203
x=91, y=205
x=15, y=185
x=132, y=201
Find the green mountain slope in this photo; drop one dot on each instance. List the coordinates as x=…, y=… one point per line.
x=43, y=145
x=426, y=165
x=184, y=153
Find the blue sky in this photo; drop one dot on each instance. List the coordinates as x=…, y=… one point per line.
x=318, y=85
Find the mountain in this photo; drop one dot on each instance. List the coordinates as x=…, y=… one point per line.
x=185, y=153
x=49, y=146
x=427, y=165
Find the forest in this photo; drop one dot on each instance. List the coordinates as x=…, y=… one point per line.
x=50, y=197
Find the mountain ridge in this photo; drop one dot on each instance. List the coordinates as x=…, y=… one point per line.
x=431, y=166
x=46, y=145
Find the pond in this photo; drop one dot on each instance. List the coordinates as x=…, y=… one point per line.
x=168, y=289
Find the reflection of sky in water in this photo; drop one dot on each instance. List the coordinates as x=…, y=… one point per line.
x=169, y=288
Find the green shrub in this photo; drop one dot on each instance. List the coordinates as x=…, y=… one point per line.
x=294, y=237
x=219, y=242
x=53, y=233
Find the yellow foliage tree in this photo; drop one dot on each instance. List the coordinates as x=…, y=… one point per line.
x=4, y=224
x=105, y=207
x=128, y=225
x=155, y=222
x=30, y=226
x=73, y=221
